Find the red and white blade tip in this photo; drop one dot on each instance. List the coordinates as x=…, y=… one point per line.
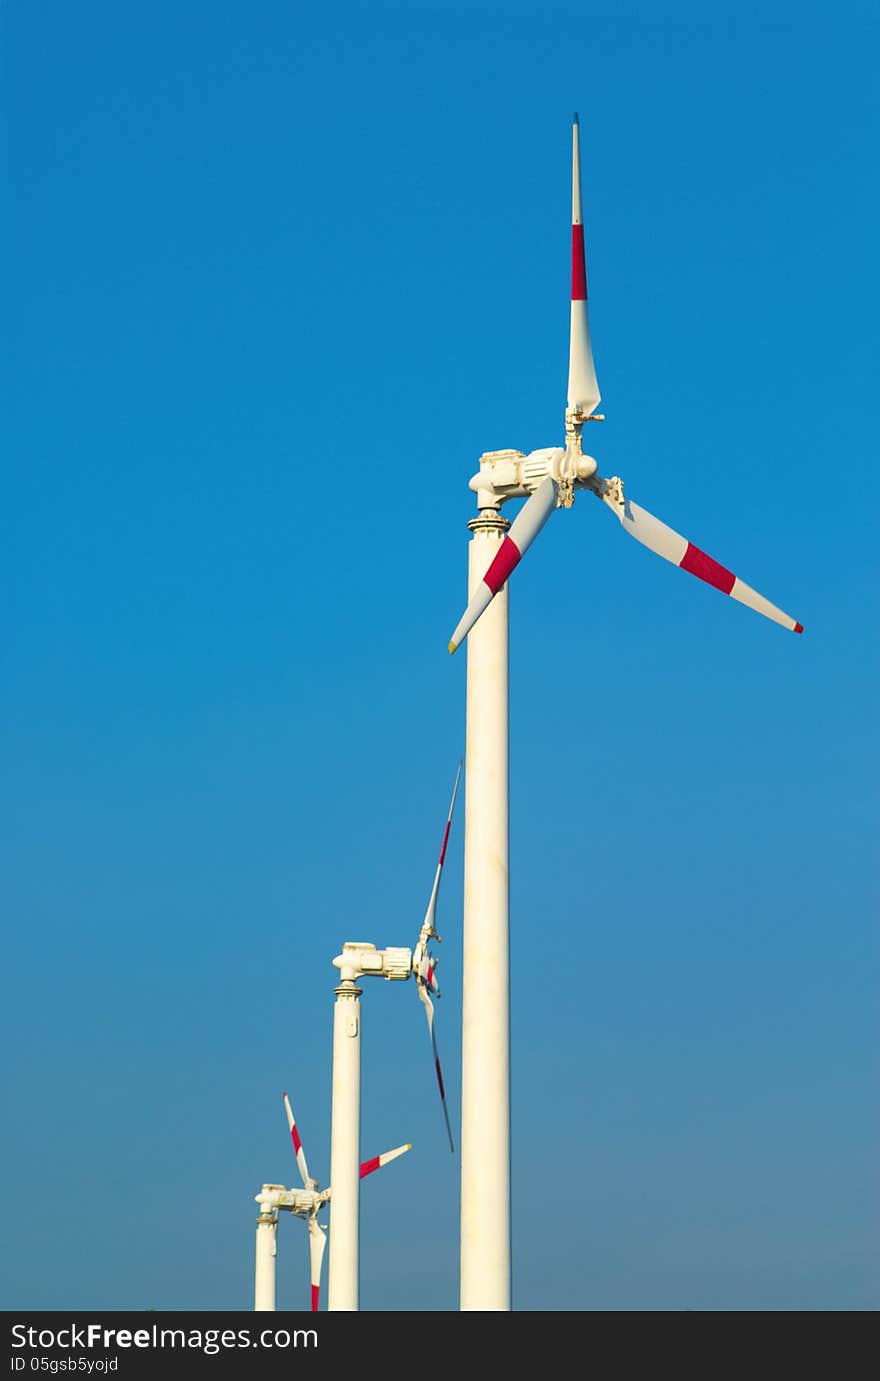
x=317, y=1243
x=583, y=389
x=439, y=1073
x=430, y=913
x=669, y=544
x=297, y=1143
x=442, y=857
x=376, y=1162
x=526, y=526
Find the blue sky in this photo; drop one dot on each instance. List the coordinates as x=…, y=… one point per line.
x=274, y=278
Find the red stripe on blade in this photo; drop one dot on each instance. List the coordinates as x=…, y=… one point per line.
x=799, y=628
x=507, y=556
x=578, y=265
x=697, y=563
x=369, y=1166
x=316, y=1290
x=445, y=840
x=297, y=1144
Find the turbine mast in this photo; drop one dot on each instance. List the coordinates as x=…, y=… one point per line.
x=547, y=480
x=345, y=1145
x=485, y=1073
x=267, y=1248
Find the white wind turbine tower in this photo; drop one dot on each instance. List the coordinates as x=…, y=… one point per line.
x=548, y=480
x=306, y=1203
x=360, y=960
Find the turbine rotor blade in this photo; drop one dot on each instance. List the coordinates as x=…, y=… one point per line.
x=429, y=1012
x=428, y=923
x=669, y=544
x=377, y=1162
x=297, y=1144
x=526, y=526
x=317, y=1243
x=583, y=390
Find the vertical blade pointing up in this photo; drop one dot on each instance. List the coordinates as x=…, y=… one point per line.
x=430, y=914
x=583, y=390
x=297, y=1144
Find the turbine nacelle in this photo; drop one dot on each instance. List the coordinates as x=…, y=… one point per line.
x=302, y=1202
x=507, y=475
x=361, y=960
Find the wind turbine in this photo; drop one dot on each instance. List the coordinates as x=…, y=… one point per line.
x=361, y=960
x=303, y=1203
x=547, y=479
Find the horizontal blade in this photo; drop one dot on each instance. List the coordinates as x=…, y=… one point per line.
x=526, y=526
x=680, y=552
x=368, y=1166
x=583, y=390
x=297, y=1144
x=430, y=914
x=317, y=1243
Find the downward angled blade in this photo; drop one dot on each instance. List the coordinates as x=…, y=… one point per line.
x=368, y=1166
x=583, y=390
x=297, y=1144
x=317, y=1243
x=526, y=526
x=680, y=552
x=423, y=985
x=430, y=914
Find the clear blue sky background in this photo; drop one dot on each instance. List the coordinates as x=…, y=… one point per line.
x=273, y=278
